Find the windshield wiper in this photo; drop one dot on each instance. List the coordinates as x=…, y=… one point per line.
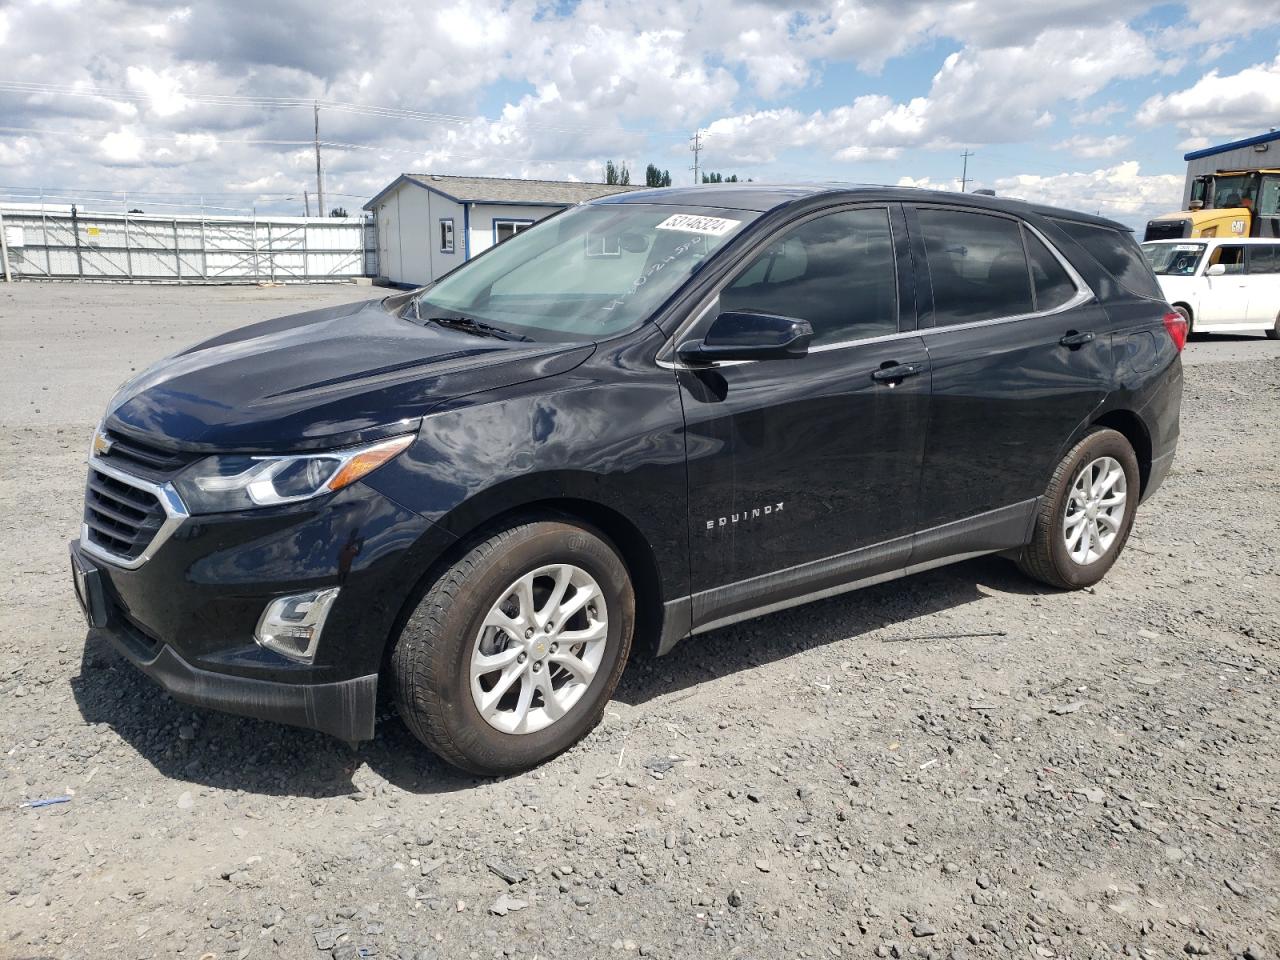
x=477, y=327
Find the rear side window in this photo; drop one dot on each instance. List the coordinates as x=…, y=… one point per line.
x=1118, y=253
x=1053, y=286
x=836, y=271
x=977, y=266
x=1264, y=258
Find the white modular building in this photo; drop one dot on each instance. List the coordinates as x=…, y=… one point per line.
x=427, y=224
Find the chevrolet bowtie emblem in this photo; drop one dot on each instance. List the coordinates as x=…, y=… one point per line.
x=102, y=445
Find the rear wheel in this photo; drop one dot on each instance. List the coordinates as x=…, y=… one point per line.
x=1086, y=513
x=511, y=656
x=1274, y=332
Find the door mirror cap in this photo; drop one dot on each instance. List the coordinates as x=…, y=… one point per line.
x=1217, y=270
x=749, y=336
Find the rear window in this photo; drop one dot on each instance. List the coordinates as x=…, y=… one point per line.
x=977, y=265
x=1264, y=258
x=1119, y=255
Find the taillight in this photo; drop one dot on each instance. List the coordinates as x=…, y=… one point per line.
x=1176, y=324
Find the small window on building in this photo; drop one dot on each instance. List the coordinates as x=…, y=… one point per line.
x=506, y=229
x=446, y=235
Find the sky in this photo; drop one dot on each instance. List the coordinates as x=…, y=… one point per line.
x=1088, y=104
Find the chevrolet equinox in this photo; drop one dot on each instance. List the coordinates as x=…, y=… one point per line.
x=647, y=417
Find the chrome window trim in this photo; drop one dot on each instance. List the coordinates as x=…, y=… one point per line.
x=175, y=513
x=1084, y=293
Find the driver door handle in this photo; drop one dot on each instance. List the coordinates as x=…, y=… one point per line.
x=894, y=372
x=1076, y=339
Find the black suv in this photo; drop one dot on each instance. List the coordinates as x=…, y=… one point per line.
x=646, y=417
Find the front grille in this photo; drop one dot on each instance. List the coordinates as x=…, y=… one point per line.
x=126, y=450
x=120, y=518
x=1167, y=229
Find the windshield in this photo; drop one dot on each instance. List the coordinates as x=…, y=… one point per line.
x=1173, y=259
x=1234, y=191
x=591, y=272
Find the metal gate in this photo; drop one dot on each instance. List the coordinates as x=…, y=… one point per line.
x=103, y=246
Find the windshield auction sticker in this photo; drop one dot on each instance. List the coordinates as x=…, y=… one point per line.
x=688, y=223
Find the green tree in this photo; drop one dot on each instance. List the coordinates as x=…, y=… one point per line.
x=653, y=177
x=617, y=175
x=720, y=178
x=338, y=212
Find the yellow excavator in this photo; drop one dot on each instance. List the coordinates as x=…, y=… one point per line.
x=1229, y=203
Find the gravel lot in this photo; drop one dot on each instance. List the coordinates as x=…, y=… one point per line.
x=957, y=764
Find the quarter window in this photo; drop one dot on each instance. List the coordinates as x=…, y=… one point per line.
x=836, y=271
x=977, y=266
x=1052, y=285
x=1118, y=253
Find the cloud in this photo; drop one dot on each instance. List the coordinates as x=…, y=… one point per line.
x=1094, y=147
x=1220, y=106
x=1122, y=191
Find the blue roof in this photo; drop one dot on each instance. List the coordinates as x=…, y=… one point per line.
x=1234, y=145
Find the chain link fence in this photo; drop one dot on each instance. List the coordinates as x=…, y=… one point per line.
x=68, y=245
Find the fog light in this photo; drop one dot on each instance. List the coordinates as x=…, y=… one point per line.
x=291, y=625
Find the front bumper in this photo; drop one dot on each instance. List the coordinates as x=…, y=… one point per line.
x=344, y=708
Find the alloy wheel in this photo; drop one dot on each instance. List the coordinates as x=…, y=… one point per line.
x=1095, y=510
x=539, y=648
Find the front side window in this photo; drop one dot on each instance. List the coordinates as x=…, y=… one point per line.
x=1173, y=259
x=593, y=271
x=1235, y=191
x=1230, y=256
x=977, y=266
x=446, y=236
x=836, y=271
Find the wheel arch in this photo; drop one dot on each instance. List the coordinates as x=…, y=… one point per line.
x=1130, y=426
x=622, y=532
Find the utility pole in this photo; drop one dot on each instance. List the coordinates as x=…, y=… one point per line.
x=306, y=202
x=964, y=171
x=695, y=144
x=4, y=252
x=319, y=182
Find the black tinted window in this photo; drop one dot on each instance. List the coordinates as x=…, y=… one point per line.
x=837, y=272
x=1119, y=255
x=977, y=265
x=1053, y=287
x=1264, y=258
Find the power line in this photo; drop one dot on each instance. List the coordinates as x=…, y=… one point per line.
x=964, y=172
x=695, y=144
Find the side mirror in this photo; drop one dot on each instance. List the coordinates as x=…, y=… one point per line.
x=749, y=336
x=1217, y=270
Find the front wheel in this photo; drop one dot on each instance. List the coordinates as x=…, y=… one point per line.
x=1274, y=332
x=1185, y=313
x=1085, y=514
x=512, y=654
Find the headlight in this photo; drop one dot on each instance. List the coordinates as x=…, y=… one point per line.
x=222, y=483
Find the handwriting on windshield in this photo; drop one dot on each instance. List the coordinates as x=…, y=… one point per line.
x=689, y=245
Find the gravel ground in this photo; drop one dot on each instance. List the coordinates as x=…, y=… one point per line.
x=958, y=764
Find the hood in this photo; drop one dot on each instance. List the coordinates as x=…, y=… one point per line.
x=324, y=378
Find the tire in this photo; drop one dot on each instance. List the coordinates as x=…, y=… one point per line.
x=1274, y=332
x=454, y=624
x=1186, y=315
x=1048, y=558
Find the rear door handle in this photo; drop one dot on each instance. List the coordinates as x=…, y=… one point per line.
x=1076, y=339
x=893, y=372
